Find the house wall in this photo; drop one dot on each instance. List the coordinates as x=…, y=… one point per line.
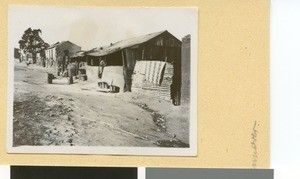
x=114, y=59
x=93, y=61
x=16, y=53
x=50, y=57
x=70, y=47
x=47, y=54
x=56, y=53
x=186, y=69
x=92, y=73
x=163, y=48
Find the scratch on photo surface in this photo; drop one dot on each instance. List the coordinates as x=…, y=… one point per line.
x=254, y=145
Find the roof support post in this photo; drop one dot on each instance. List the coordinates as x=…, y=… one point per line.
x=143, y=53
x=123, y=59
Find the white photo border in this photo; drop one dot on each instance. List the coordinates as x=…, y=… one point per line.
x=148, y=151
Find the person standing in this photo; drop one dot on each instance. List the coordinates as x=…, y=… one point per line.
x=102, y=64
x=71, y=72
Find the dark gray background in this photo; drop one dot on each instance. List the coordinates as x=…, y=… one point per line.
x=181, y=173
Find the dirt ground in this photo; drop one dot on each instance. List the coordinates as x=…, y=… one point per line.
x=79, y=115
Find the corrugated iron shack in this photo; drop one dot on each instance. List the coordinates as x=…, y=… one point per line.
x=148, y=64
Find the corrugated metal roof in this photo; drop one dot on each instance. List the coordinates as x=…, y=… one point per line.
x=67, y=41
x=123, y=44
x=80, y=53
x=59, y=43
x=53, y=45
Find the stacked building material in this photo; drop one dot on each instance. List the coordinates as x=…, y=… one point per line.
x=162, y=90
x=113, y=76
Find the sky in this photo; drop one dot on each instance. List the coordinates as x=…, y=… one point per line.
x=91, y=27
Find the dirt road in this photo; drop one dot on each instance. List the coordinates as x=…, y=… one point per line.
x=79, y=115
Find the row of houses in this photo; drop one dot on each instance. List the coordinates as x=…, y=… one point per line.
x=150, y=65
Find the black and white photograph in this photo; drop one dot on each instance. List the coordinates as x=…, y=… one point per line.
x=102, y=80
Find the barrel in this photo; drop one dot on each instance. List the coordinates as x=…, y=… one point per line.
x=70, y=79
x=71, y=70
x=50, y=78
x=81, y=71
x=83, y=77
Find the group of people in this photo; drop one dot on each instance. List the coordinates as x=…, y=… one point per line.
x=62, y=66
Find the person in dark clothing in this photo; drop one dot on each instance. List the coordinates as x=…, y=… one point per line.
x=102, y=64
x=127, y=79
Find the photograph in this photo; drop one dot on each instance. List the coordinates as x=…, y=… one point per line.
x=102, y=80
